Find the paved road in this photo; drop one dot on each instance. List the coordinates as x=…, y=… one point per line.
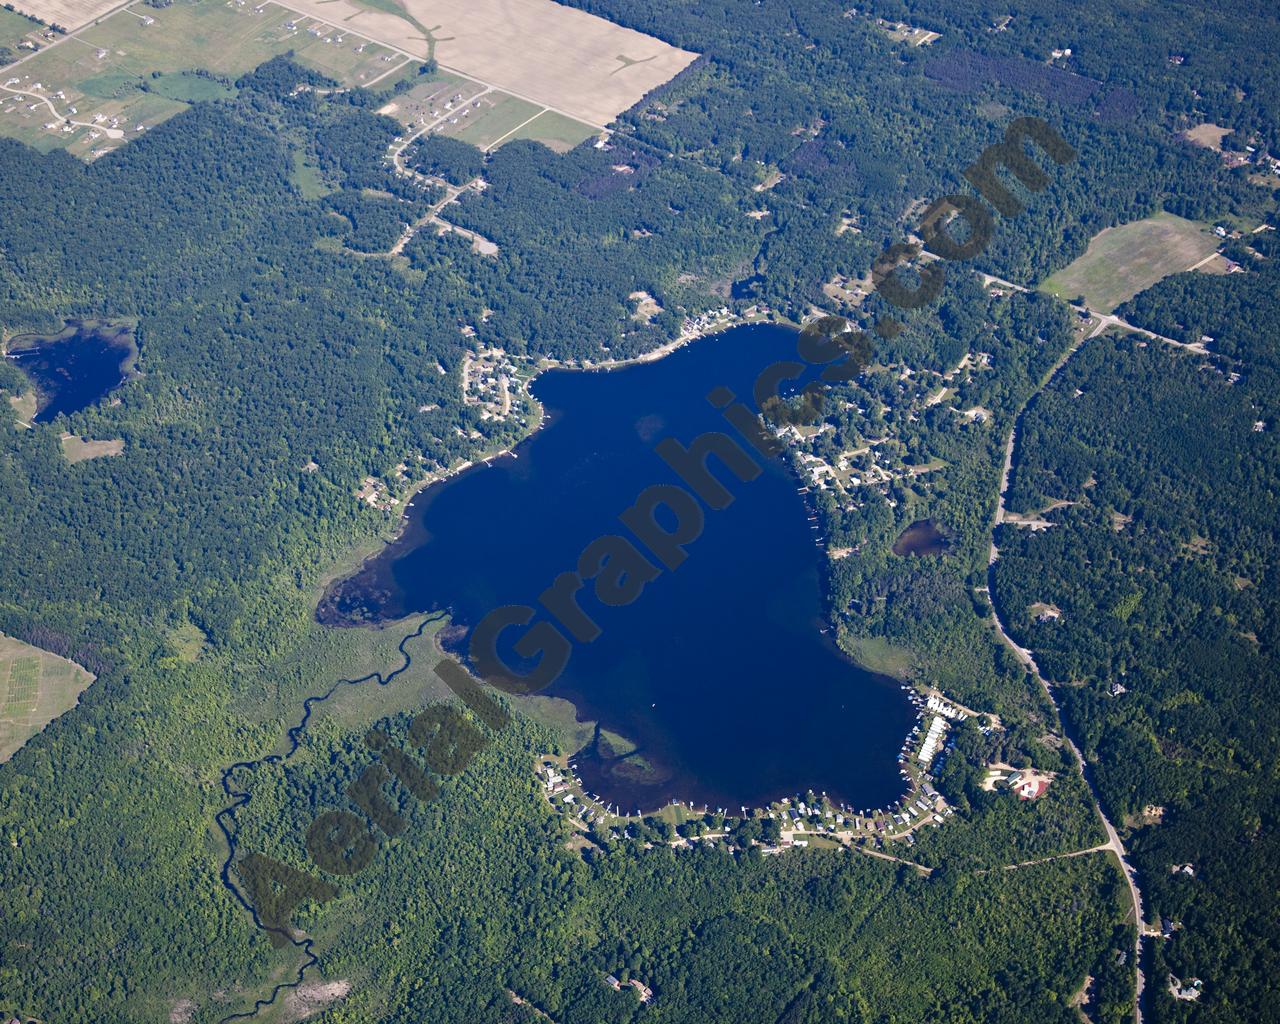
x=1025, y=656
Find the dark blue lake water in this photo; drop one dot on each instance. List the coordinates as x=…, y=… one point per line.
x=72, y=370
x=719, y=673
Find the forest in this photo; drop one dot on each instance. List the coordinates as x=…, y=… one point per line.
x=283, y=360
x=1164, y=568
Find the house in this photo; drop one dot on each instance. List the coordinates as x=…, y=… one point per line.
x=613, y=982
x=646, y=993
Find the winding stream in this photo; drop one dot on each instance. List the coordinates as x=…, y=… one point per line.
x=226, y=818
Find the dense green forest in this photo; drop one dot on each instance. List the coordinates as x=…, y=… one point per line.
x=283, y=361
x=1164, y=569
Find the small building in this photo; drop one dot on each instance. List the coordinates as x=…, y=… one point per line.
x=1029, y=785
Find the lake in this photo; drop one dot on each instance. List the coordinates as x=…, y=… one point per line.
x=72, y=370
x=921, y=538
x=719, y=674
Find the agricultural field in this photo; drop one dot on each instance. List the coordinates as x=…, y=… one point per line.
x=1123, y=261
x=69, y=14
x=554, y=130
x=467, y=110
x=96, y=90
x=600, y=69
x=35, y=688
x=490, y=119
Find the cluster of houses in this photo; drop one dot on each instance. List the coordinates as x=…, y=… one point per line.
x=373, y=492
x=704, y=323
x=489, y=381
x=932, y=740
x=924, y=805
x=877, y=463
x=942, y=711
x=1263, y=161
x=800, y=817
x=947, y=710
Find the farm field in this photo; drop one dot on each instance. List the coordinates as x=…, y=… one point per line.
x=94, y=91
x=70, y=14
x=537, y=50
x=35, y=688
x=555, y=131
x=1122, y=261
x=491, y=119
x=464, y=109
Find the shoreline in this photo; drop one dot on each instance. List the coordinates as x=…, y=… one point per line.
x=912, y=778
x=344, y=569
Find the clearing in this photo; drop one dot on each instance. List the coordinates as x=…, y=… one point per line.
x=1123, y=261
x=82, y=449
x=35, y=688
x=24, y=409
x=1208, y=135
x=556, y=57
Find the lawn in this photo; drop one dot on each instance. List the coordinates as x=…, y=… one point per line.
x=35, y=688
x=13, y=27
x=1123, y=261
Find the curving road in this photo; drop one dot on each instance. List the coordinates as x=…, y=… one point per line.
x=1113, y=842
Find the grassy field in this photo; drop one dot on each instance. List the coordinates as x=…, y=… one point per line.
x=24, y=409
x=482, y=118
x=12, y=29
x=555, y=131
x=1208, y=135
x=81, y=449
x=35, y=688
x=878, y=655
x=356, y=707
x=1122, y=261
x=489, y=119
x=97, y=90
